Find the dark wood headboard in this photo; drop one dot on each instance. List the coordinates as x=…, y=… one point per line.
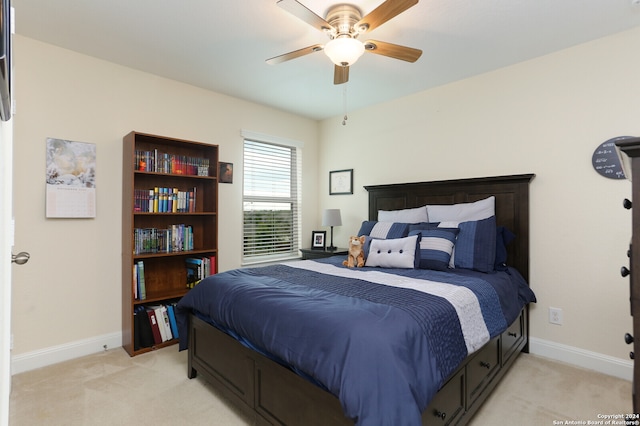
x=512, y=204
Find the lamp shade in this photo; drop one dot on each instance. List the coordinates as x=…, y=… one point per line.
x=331, y=217
x=344, y=51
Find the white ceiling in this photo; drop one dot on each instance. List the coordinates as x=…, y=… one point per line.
x=222, y=45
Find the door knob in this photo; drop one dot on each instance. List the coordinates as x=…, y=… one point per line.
x=628, y=338
x=20, y=258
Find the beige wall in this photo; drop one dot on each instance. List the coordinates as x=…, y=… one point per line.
x=70, y=289
x=545, y=116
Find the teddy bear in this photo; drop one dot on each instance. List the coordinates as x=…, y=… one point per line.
x=356, y=252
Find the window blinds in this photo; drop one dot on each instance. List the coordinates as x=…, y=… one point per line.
x=271, y=201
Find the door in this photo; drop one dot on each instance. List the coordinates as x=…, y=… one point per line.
x=6, y=242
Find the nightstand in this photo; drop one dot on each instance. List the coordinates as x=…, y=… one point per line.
x=308, y=253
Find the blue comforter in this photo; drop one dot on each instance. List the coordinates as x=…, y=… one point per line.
x=382, y=340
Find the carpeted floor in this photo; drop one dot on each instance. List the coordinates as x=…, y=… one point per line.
x=111, y=388
x=538, y=391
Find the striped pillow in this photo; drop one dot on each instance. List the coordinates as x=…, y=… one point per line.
x=383, y=230
x=476, y=244
x=436, y=247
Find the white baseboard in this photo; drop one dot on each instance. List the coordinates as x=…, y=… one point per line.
x=568, y=354
x=55, y=354
x=605, y=364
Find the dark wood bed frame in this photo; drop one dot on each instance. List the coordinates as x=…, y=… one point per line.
x=269, y=393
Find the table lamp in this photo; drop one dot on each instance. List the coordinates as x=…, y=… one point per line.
x=331, y=217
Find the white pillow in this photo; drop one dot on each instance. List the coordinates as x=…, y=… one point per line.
x=394, y=253
x=463, y=212
x=416, y=215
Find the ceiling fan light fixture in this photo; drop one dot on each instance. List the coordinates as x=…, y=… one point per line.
x=344, y=51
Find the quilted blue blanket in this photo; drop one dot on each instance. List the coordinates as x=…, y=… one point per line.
x=382, y=340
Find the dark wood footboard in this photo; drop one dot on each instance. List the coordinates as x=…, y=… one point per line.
x=271, y=394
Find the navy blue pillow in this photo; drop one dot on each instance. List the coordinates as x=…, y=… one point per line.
x=423, y=226
x=435, y=247
x=476, y=245
x=503, y=237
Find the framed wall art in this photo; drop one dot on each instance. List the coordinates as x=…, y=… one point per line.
x=225, y=172
x=341, y=182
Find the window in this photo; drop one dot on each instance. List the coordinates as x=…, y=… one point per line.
x=271, y=200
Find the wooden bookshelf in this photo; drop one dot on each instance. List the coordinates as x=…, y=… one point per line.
x=190, y=167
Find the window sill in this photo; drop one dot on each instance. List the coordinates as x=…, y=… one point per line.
x=271, y=261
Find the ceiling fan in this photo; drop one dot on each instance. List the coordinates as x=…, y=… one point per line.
x=343, y=24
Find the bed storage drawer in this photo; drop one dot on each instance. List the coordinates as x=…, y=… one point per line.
x=481, y=369
x=448, y=405
x=513, y=338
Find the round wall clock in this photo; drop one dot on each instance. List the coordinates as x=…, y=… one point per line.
x=605, y=159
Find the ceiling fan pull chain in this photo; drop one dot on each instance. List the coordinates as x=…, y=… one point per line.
x=344, y=104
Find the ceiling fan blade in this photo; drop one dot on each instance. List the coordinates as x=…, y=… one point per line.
x=301, y=11
x=396, y=51
x=340, y=74
x=386, y=11
x=294, y=54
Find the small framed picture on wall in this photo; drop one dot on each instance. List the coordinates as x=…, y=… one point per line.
x=341, y=182
x=225, y=172
x=318, y=239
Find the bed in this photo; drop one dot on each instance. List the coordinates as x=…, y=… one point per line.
x=284, y=372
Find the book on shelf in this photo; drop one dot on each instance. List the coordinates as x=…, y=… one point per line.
x=213, y=267
x=166, y=322
x=162, y=162
x=157, y=310
x=142, y=328
x=194, y=271
x=198, y=268
x=172, y=319
x=155, y=329
x=162, y=318
x=139, y=287
x=137, y=334
x=135, y=281
x=165, y=200
x=154, y=324
x=175, y=238
x=191, y=198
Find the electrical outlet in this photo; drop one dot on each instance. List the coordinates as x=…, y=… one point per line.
x=555, y=316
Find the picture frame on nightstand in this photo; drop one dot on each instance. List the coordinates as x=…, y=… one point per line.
x=318, y=240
